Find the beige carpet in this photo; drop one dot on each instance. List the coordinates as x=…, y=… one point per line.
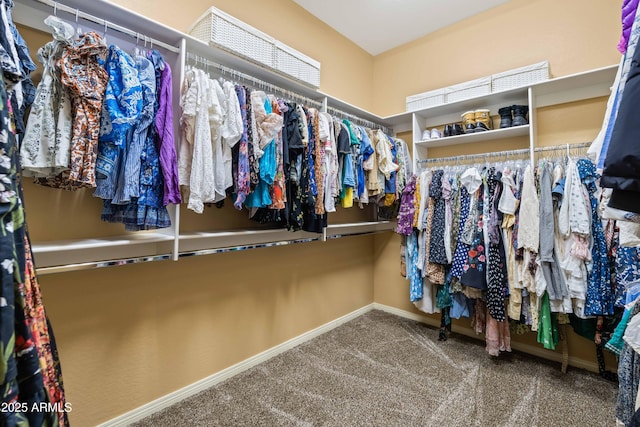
x=383, y=370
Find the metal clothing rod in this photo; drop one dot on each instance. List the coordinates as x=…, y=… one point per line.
x=508, y=153
x=199, y=60
x=359, y=120
x=108, y=25
x=100, y=264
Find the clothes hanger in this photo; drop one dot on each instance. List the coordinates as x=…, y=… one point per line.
x=78, y=29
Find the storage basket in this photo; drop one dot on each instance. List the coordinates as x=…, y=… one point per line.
x=428, y=99
x=466, y=90
x=297, y=65
x=520, y=77
x=219, y=29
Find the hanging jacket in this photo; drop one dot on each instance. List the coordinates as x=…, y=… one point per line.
x=629, y=8
x=622, y=161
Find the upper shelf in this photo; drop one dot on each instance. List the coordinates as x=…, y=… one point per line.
x=573, y=87
x=569, y=88
x=32, y=13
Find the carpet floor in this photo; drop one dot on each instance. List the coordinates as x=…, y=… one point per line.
x=383, y=370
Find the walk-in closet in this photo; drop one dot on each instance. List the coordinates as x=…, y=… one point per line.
x=296, y=213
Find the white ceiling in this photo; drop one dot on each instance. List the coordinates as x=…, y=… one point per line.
x=380, y=25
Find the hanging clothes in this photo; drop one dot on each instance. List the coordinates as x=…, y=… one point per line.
x=122, y=109
x=628, y=377
x=269, y=125
x=549, y=262
x=46, y=145
x=86, y=80
x=497, y=275
x=599, y=295
x=17, y=67
x=196, y=151
x=30, y=366
x=528, y=243
x=164, y=133
x=621, y=161
x=437, y=252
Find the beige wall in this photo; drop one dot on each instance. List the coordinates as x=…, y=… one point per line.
x=572, y=35
x=346, y=69
x=128, y=335
x=135, y=333
x=515, y=34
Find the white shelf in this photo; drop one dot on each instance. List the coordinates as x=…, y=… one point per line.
x=32, y=13
x=353, y=229
x=70, y=252
x=575, y=87
x=470, y=138
x=239, y=240
x=504, y=98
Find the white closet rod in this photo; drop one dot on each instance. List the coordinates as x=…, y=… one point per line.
x=508, y=153
x=358, y=120
x=234, y=74
x=107, y=25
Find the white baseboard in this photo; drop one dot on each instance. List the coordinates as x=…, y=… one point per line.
x=205, y=383
x=522, y=347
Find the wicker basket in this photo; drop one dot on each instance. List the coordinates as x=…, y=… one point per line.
x=428, y=99
x=520, y=77
x=297, y=65
x=221, y=30
x=466, y=90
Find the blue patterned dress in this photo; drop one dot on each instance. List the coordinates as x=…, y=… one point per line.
x=413, y=273
x=599, y=293
x=121, y=109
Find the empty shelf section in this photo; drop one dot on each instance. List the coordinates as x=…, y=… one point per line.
x=201, y=243
x=336, y=231
x=98, y=250
x=575, y=87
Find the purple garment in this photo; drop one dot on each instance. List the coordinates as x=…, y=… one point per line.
x=165, y=142
x=629, y=8
x=242, y=175
x=407, y=208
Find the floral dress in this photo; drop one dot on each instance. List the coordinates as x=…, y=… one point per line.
x=86, y=79
x=26, y=353
x=437, y=253
x=241, y=172
x=475, y=274
x=497, y=275
x=599, y=293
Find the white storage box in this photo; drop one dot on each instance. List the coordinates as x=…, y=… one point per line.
x=428, y=99
x=466, y=90
x=296, y=64
x=222, y=30
x=520, y=77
